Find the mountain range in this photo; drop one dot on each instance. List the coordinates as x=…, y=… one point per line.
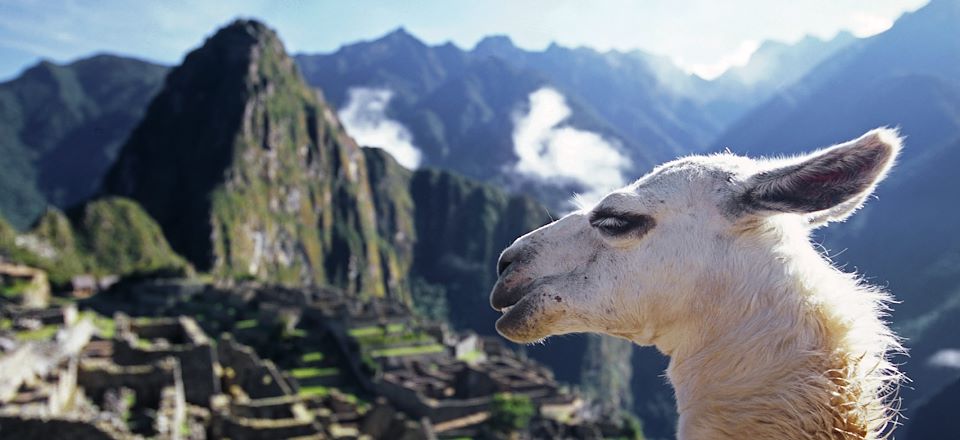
x=232, y=164
x=463, y=107
x=61, y=127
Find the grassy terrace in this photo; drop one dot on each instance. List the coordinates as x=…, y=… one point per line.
x=407, y=351
x=314, y=356
x=312, y=372
x=105, y=325
x=246, y=324
x=40, y=334
x=14, y=289
x=471, y=356
x=375, y=330
x=395, y=334
x=395, y=340
x=317, y=390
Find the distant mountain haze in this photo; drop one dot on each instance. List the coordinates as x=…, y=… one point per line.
x=907, y=77
x=462, y=107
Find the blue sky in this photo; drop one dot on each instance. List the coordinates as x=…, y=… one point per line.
x=703, y=36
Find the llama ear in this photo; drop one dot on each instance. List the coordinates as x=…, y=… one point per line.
x=827, y=185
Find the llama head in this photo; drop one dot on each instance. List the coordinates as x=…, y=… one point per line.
x=644, y=261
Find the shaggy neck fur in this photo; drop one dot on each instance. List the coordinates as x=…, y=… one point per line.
x=807, y=359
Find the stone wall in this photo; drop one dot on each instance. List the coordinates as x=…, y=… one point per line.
x=147, y=381
x=228, y=426
x=48, y=428
x=195, y=354
x=242, y=367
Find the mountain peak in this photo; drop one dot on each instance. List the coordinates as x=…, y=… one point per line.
x=239, y=160
x=400, y=35
x=495, y=43
x=251, y=27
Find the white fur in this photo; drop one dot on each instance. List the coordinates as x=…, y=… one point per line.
x=767, y=339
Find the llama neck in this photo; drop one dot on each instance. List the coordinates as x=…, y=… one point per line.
x=788, y=366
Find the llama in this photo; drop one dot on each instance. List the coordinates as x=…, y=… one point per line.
x=708, y=258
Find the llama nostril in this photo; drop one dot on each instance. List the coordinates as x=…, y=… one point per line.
x=502, y=265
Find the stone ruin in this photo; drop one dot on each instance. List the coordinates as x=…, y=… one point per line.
x=287, y=363
x=28, y=286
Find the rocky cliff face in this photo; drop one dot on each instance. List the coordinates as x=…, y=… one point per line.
x=390, y=184
x=248, y=171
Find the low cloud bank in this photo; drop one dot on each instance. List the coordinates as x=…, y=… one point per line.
x=946, y=358
x=550, y=150
x=365, y=119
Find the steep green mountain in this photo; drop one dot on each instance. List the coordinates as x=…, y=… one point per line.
x=61, y=127
x=389, y=184
x=107, y=236
x=446, y=231
x=249, y=172
x=462, y=226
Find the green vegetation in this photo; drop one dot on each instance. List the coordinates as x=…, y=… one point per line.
x=110, y=236
x=510, y=412
x=462, y=226
x=407, y=351
x=314, y=356
x=471, y=356
x=14, y=289
x=40, y=334
x=106, y=327
x=317, y=390
x=310, y=372
x=633, y=427
x=294, y=333
x=246, y=324
x=390, y=183
x=399, y=336
x=375, y=330
x=123, y=239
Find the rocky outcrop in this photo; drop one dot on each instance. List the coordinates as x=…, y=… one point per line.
x=106, y=236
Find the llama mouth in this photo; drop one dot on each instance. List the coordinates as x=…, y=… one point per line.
x=503, y=298
x=518, y=322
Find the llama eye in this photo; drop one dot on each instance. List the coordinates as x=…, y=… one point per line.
x=621, y=224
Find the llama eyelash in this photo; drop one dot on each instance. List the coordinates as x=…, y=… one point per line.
x=621, y=223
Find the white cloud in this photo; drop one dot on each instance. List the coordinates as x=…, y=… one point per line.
x=948, y=358
x=365, y=119
x=549, y=150
x=739, y=57
x=864, y=24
